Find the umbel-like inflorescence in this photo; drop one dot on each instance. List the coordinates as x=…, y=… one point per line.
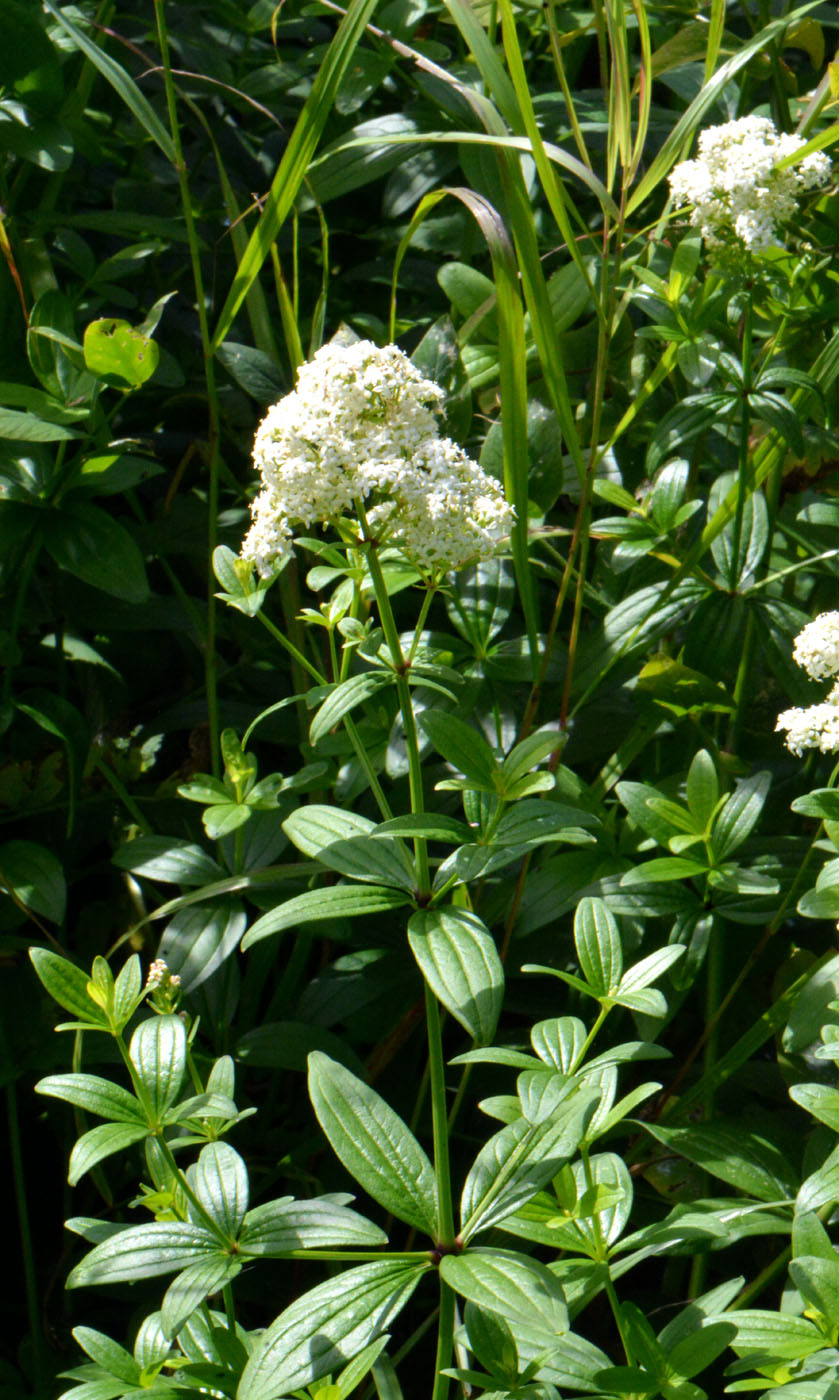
x=816, y=726
x=740, y=198
x=360, y=432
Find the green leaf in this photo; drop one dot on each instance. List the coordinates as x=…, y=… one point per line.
x=344, y=698
x=34, y=876
x=26, y=427
x=158, y=1053
x=114, y=350
x=123, y=85
x=144, y=1251
x=374, y=1144
x=108, y=1354
x=820, y=1101
x=88, y=543
x=430, y=825
x=67, y=985
x=220, y=1181
x=200, y=938
x=340, y=841
x=333, y=902
x=731, y=1153
x=519, y=1288
x=781, y=1336
x=253, y=371
x=167, y=859
x=97, y=1144
x=512, y=1166
x=188, y=1291
x=326, y=1327
x=703, y=788
x=457, y=956
x=462, y=746
x=817, y=1280
x=279, y=1227
x=598, y=944
x=94, y=1095
x=654, y=872
x=740, y=814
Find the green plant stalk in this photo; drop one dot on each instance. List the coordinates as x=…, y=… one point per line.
x=439, y=1118
x=40, y=1369
x=745, y=427
x=213, y=416
x=445, y=1341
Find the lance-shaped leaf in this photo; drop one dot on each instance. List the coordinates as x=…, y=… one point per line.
x=105, y=1141
x=94, y=1095
x=158, y=1052
x=220, y=1181
x=726, y=1150
x=458, y=958
x=188, y=1291
x=336, y=902
x=598, y=945
x=278, y=1227
x=108, y=1354
x=519, y=1288
x=463, y=747
x=339, y=840
x=520, y=1160
x=344, y=698
x=326, y=1327
x=374, y=1144
x=144, y=1251
x=67, y=985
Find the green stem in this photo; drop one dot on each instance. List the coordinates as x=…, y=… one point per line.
x=213, y=417
x=423, y=614
x=745, y=427
x=439, y=1119
x=445, y=1342
x=29, y=1279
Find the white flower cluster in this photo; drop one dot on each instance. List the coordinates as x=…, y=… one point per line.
x=738, y=194
x=158, y=974
x=361, y=428
x=816, y=726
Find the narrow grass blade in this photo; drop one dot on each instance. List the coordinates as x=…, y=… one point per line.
x=120, y=81
x=295, y=161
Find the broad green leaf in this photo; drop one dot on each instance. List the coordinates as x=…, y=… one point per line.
x=34, y=876
x=817, y=1280
x=740, y=814
x=820, y=1101
x=326, y=1327
x=663, y=868
x=559, y=1042
x=703, y=787
x=821, y=802
x=108, y=1354
x=518, y=1161
x=519, y=1288
x=158, y=1052
x=821, y=1187
x=279, y=1227
x=144, y=1251
x=528, y=754
x=731, y=1153
x=778, y=1335
x=649, y=969
x=430, y=825
x=168, y=859
x=188, y=1291
x=99, y=1143
x=113, y=349
x=462, y=746
x=346, y=697
x=94, y=1095
x=458, y=958
x=220, y=1181
x=339, y=840
x=374, y=1144
x=27, y=427
x=128, y=991
x=598, y=944
x=200, y=938
x=91, y=545
x=331, y=902
x=67, y=985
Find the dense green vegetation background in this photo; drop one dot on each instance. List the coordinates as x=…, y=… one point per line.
x=193, y=198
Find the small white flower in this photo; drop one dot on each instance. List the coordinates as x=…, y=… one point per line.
x=361, y=428
x=158, y=972
x=816, y=727
x=817, y=646
x=739, y=196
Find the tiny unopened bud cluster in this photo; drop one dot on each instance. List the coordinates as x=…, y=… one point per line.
x=159, y=974
x=816, y=650
x=360, y=431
